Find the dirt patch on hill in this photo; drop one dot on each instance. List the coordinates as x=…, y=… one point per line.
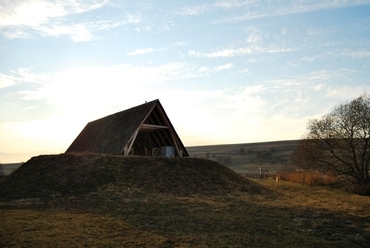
x=48, y=176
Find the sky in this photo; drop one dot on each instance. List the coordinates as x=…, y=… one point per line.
x=226, y=72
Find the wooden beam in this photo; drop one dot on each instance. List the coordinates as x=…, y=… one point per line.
x=128, y=147
x=152, y=127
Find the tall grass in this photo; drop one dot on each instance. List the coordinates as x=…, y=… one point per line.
x=309, y=178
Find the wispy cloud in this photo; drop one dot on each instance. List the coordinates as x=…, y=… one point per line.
x=258, y=8
x=38, y=12
x=6, y=81
x=232, y=52
x=29, y=13
x=301, y=90
x=143, y=28
x=224, y=67
x=141, y=51
x=192, y=10
x=21, y=76
x=24, y=19
x=76, y=32
x=351, y=53
x=314, y=78
x=147, y=50
x=346, y=93
x=207, y=69
x=233, y=4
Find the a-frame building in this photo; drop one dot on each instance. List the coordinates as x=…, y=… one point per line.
x=144, y=130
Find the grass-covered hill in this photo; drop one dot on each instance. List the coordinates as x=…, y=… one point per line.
x=92, y=200
x=48, y=176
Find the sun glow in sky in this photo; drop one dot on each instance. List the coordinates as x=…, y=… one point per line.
x=236, y=71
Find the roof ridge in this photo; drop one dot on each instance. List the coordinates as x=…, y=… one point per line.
x=137, y=106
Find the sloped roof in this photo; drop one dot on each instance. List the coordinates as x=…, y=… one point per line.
x=111, y=134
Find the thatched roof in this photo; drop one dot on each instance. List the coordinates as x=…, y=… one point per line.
x=140, y=130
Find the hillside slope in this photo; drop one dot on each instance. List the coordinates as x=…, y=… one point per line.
x=48, y=176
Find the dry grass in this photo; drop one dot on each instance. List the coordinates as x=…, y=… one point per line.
x=266, y=214
x=310, y=178
x=295, y=216
x=47, y=228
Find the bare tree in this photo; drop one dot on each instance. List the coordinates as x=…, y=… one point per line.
x=304, y=154
x=340, y=141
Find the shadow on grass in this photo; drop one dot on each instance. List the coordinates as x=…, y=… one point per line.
x=216, y=221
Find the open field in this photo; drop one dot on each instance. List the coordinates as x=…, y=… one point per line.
x=110, y=201
x=292, y=216
x=248, y=158
x=6, y=169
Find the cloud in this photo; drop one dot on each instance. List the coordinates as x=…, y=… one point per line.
x=39, y=12
x=204, y=69
x=233, y=52
x=355, y=54
x=21, y=76
x=315, y=80
x=6, y=81
x=143, y=28
x=232, y=4
x=99, y=84
x=223, y=67
x=318, y=87
x=29, y=13
x=77, y=32
x=221, y=53
x=346, y=93
x=25, y=19
x=141, y=51
x=192, y=10
x=312, y=95
x=147, y=50
x=258, y=9
x=218, y=68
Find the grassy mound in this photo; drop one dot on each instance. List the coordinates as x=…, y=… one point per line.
x=48, y=176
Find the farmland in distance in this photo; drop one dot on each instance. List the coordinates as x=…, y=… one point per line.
x=249, y=157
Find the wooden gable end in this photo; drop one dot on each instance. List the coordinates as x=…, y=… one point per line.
x=154, y=133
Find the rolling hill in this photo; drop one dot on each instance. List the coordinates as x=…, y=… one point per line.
x=49, y=176
x=242, y=158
